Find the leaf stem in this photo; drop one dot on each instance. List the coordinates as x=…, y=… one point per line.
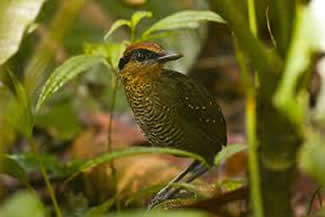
x=45, y=177
x=115, y=84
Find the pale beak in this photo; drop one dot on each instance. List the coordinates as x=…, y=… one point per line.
x=169, y=56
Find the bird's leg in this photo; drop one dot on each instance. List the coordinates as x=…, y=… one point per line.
x=196, y=169
x=196, y=172
x=164, y=190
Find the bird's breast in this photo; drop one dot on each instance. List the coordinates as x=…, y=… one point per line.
x=155, y=118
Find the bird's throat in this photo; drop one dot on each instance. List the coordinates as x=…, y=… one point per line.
x=139, y=76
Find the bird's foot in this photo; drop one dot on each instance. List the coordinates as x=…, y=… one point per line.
x=159, y=198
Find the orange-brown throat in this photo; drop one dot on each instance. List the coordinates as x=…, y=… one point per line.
x=136, y=73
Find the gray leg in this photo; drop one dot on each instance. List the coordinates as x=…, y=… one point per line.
x=196, y=169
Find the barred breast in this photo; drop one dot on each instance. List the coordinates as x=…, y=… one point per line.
x=155, y=118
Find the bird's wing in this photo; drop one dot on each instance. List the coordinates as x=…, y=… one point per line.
x=194, y=105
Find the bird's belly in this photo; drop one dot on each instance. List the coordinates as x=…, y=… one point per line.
x=162, y=128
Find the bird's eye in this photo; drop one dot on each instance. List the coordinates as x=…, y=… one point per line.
x=140, y=56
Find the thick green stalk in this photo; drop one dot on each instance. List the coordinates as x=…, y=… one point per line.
x=278, y=137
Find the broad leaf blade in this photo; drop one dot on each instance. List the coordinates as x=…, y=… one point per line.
x=108, y=157
x=15, y=16
x=66, y=72
x=23, y=204
x=183, y=20
x=228, y=151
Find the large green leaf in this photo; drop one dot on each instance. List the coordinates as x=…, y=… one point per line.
x=23, y=204
x=15, y=16
x=183, y=20
x=66, y=72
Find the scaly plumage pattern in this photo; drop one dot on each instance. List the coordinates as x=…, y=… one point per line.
x=171, y=109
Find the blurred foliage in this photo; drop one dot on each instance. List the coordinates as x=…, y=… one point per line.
x=67, y=39
x=23, y=204
x=12, y=30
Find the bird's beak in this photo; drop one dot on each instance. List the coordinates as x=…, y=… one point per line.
x=169, y=56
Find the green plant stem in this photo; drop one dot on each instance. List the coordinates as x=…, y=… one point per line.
x=132, y=39
x=45, y=177
x=253, y=163
x=115, y=83
x=252, y=17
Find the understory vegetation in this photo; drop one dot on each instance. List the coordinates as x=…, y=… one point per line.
x=69, y=145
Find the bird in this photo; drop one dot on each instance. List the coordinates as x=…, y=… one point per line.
x=172, y=110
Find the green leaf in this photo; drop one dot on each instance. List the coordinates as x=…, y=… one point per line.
x=20, y=165
x=311, y=156
x=228, y=151
x=19, y=113
x=108, y=157
x=111, y=51
x=138, y=16
x=183, y=20
x=13, y=168
x=15, y=16
x=23, y=204
x=66, y=72
x=101, y=209
x=115, y=52
x=117, y=24
x=162, y=213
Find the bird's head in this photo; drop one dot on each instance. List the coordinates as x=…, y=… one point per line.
x=144, y=59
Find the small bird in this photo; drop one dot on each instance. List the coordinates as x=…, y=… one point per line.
x=171, y=109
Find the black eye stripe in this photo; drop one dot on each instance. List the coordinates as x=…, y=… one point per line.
x=144, y=54
x=139, y=55
x=123, y=61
